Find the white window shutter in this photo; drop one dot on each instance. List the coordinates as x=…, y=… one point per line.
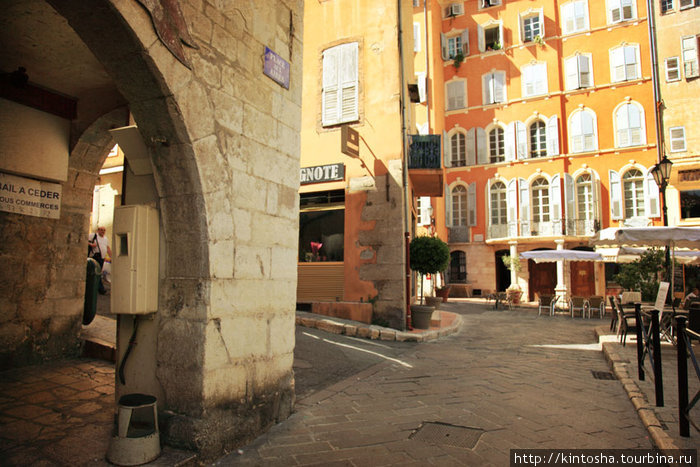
x=571, y=67
x=541, y=20
x=542, y=86
x=615, y=195
x=512, y=202
x=569, y=198
x=471, y=204
x=482, y=41
x=349, y=87
x=521, y=140
x=416, y=37
x=499, y=87
x=424, y=212
x=509, y=138
x=595, y=190
x=465, y=42
x=481, y=146
x=501, y=39
x=585, y=76
x=555, y=199
x=553, y=136
x=524, y=193
x=568, y=18
x=652, y=196
x=617, y=64
x=471, y=146
x=689, y=47
x=331, y=62
x=422, y=80
x=446, y=156
x=443, y=44
x=448, y=206
x=487, y=86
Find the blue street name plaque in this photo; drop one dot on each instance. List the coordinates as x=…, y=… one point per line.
x=276, y=68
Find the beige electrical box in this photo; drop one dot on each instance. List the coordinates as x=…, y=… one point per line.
x=135, y=260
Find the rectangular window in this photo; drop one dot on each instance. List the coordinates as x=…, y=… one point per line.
x=673, y=70
x=488, y=3
x=689, y=46
x=340, y=84
x=620, y=10
x=687, y=4
x=574, y=16
x=456, y=95
x=423, y=208
x=416, y=3
x=624, y=63
x=322, y=226
x=666, y=6
x=578, y=72
x=534, y=79
x=677, y=138
x=532, y=27
x=494, y=87
x=492, y=38
x=690, y=204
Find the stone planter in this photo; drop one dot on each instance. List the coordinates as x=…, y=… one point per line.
x=433, y=301
x=421, y=315
x=443, y=293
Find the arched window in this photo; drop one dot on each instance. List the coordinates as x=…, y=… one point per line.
x=458, y=267
x=584, y=197
x=629, y=119
x=459, y=206
x=583, y=131
x=499, y=215
x=538, y=139
x=458, y=149
x=497, y=147
x=633, y=191
x=540, y=200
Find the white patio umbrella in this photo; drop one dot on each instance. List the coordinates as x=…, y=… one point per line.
x=671, y=237
x=627, y=254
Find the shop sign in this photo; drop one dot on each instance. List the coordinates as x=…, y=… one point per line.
x=322, y=173
x=30, y=197
x=276, y=68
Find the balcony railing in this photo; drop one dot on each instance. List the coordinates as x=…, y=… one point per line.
x=424, y=152
x=527, y=228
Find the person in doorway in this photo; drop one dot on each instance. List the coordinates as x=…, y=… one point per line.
x=99, y=250
x=691, y=297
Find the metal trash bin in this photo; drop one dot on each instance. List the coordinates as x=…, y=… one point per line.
x=93, y=277
x=137, y=440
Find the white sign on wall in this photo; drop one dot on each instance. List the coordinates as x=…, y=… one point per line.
x=30, y=197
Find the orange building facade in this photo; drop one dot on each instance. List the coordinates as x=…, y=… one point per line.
x=546, y=112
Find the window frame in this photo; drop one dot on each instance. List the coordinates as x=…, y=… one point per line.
x=529, y=15
x=623, y=52
x=500, y=144
x=489, y=83
x=458, y=156
x=492, y=3
x=498, y=202
x=462, y=83
x=573, y=17
x=629, y=129
x=529, y=74
x=682, y=138
x=677, y=69
x=540, y=200
x=587, y=199
x=620, y=4
x=482, y=31
x=537, y=142
x=345, y=87
x=453, y=10
x=573, y=126
x=669, y=8
x=463, y=210
x=635, y=204
x=687, y=52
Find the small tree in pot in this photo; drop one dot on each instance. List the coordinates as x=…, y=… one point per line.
x=428, y=255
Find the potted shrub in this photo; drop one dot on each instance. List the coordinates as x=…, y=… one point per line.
x=428, y=255
x=443, y=292
x=514, y=292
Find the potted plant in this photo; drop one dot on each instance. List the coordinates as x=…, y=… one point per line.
x=443, y=292
x=514, y=292
x=457, y=60
x=427, y=255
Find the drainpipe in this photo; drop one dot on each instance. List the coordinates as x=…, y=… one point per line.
x=428, y=94
x=658, y=103
x=404, y=155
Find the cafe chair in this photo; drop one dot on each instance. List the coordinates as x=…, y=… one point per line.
x=596, y=302
x=547, y=303
x=579, y=304
x=626, y=320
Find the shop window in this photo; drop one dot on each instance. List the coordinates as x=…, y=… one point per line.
x=322, y=226
x=690, y=204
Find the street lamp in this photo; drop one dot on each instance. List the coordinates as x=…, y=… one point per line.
x=661, y=173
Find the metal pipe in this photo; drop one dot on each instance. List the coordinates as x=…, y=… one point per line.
x=658, y=104
x=656, y=344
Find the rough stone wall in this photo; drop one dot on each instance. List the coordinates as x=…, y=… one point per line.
x=386, y=208
x=42, y=278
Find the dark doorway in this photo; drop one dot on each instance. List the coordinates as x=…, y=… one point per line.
x=502, y=272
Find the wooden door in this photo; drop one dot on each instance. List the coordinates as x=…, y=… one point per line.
x=582, y=278
x=543, y=278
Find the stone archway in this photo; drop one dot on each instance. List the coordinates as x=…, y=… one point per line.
x=223, y=344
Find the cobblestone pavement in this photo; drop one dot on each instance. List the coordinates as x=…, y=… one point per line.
x=466, y=399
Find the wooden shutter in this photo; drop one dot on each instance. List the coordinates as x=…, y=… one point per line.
x=481, y=39
x=499, y=86
x=349, y=88
x=617, y=64
x=416, y=37
x=651, y=199
x=553, y=136
x=555, y=203
x=689, y=47
x=524, y=197
x=541, y=20
x=331, y=62
x=443, y=45
x=487, y=83
x=585, y=75
x=448, y=206
x=571, y=69
x=446, y=156
x=541, y=84
x=423, y=213
x=569, y=198
x=512, y=203
x=471, y=146
x=471, y=204
x=615, y=195
x=481, y=146
x=465, y=42
x=509, y=140
x=520, y=140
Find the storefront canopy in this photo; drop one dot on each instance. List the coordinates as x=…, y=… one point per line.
x=550, y=256
x=675, y=237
